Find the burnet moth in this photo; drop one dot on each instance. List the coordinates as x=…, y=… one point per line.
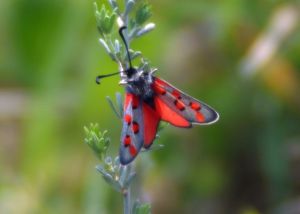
x=148, y=100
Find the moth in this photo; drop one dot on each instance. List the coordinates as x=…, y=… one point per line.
x=149, y=100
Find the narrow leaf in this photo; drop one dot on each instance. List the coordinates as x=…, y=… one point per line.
x=141, y=208
x=129, y=180
x=149, y=27
x=105, y=45
x=129, y=7
x=113, y=107
x=119, y=103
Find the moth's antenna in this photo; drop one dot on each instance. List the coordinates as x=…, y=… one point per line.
x=98, y=78
x=128, y=71
x=126, y=45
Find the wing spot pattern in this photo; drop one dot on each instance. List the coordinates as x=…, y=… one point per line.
x=200, y=117
x=195, y=106
x=179, y=105
x=176, y=94
x=127, y=118
x=132, y=150
x=127, y=141
x=135, y=127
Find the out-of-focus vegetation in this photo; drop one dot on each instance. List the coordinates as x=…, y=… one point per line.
x=241, y=57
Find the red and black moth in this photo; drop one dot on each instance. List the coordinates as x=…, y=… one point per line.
x=148, y=100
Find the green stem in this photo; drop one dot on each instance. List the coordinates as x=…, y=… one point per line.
x=126, y=194
x=126, y=191
x=127, y=201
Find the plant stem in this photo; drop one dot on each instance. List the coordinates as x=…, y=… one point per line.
x=126, y=194
x=127, y=201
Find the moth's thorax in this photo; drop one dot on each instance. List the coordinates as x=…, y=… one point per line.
x=140, y=83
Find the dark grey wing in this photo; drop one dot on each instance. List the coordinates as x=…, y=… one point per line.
x=132, y=137
x=189, y=108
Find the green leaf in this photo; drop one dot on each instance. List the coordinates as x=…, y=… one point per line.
x=123, y=173
x=141, y=208
x=96, y=140
x=113, y=4
x=119, y=103
x=148, y=27
x=131, y=24
x=107, y=49
x=109, y=178
x=145, y=66
x=105, y=20
x=143, y=13
x=117, y=47
x=129, y=180
x=104, y=173
x=115, y=110
x=162, y=125
x=129, y=6
x=135, y=54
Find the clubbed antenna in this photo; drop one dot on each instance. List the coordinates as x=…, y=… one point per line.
x=126, y=45
x=98, y=78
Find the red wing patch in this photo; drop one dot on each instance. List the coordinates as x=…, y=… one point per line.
x=169, y=115
x=180, y=109
x=151, y=121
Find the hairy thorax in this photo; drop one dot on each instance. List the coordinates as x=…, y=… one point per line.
x=140, y=84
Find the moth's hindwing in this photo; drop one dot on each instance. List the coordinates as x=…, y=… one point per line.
x=183, y=110
x=132, y=137
x=151, y=121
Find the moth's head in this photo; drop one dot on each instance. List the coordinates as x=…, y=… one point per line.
x=131, y=72
x=133, y=76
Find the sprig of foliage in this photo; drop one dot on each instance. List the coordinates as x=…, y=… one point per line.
x=141, y=208
x=118, y=176
x=143, y=13
x=96, y=140
x=105, y=20
x=136, y=26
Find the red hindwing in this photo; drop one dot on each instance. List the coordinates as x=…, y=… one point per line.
x=151, y=121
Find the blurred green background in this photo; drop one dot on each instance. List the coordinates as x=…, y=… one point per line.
x=240, y=56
